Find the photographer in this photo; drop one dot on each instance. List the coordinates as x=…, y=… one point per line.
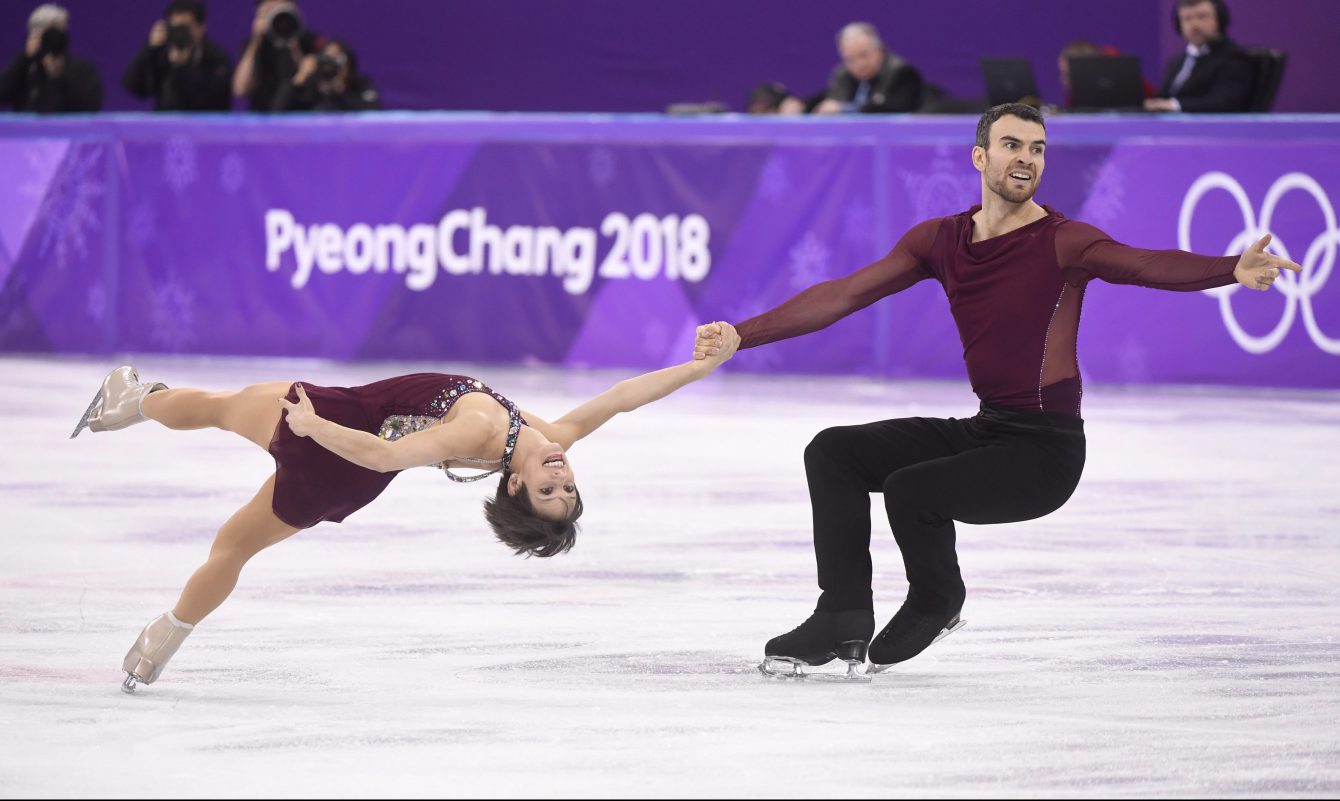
x=278, y=44
x=330, y=81
x=45, y=77
x=179, y=68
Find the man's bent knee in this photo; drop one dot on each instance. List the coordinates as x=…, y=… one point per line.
x=827, y=445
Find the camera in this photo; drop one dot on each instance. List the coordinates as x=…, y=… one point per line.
x=285, y=23
x=55, y=41
x=328, y=66
x=179, y=37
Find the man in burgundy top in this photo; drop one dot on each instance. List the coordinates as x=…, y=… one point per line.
x=1015, y=274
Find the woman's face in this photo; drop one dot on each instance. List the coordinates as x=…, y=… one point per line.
x=548, y=477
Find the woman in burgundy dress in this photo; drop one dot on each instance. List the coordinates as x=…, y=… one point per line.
x=337, y=448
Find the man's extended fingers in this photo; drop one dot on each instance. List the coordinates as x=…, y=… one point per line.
x=1286, y=264
x=1261, y=243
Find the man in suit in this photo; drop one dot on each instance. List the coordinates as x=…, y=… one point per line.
x=870, y=79
x=1213, y=74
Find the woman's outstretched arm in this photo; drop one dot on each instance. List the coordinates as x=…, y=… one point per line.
x=633, y=393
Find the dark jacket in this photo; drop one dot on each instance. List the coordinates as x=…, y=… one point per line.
x=1220, y=81
x=273, y=71
x=25, y=86
x=896, y=87
x=204, y=83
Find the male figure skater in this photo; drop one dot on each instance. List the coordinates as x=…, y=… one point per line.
x=1015, y=274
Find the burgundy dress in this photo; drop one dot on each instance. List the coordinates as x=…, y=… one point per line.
x=313, y=484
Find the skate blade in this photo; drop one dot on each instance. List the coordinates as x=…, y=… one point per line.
x=83, y=421
x=128, y=686
x=943, y=633
x=775, y=667
x=785, y=668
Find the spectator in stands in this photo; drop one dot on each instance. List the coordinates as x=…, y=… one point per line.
x=870, y=79
x=179, y=68
x=279, y=42
x=45, y=77
x=330, y=81
x=1214, y=74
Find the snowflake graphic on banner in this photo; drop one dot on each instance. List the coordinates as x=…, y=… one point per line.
x=947, y=187
x=180, y=168
x=1106, y=190
x=140, y=226
x=69, y=211
x=173, y=315
x=600, y=166
x=807, y=262
x=776, y=180
x=231, y=173
x=43, y=159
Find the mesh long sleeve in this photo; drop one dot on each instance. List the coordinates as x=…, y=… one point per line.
x=825, y=303
x=1083, y=247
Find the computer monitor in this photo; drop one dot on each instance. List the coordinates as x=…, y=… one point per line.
x=1008, y=80
x=1106, y=83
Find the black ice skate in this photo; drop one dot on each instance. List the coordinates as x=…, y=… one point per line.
x=908, y=634
x=821, y=639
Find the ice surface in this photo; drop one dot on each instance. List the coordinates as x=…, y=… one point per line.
x=1171, y=631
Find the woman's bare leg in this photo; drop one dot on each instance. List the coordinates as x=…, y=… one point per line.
x=252, y=412
x=250, y=530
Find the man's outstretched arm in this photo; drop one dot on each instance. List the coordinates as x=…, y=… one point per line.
x=825, y=303
x=1082, y=247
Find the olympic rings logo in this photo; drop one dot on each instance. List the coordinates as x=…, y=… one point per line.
x=1298, y=289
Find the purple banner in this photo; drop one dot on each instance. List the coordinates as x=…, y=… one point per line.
x=603, y=242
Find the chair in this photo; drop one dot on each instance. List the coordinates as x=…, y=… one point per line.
x=1269, y=72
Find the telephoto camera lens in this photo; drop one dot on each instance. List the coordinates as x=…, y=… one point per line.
x=285, y=22
x=328, y=66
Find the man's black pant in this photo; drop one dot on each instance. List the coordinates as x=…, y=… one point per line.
x=1002, y=466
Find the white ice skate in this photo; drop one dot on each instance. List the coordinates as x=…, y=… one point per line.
x=151, y=652
x=117, y=402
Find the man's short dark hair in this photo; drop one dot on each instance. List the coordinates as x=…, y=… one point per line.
x=193, y=7
x=1020, y=110
x=1220, y=14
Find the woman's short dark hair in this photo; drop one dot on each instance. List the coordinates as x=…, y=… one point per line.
x=514, y=521
x=1020, y=110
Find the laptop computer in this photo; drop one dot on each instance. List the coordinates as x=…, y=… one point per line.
x=1106, y=83
x=1008, y=80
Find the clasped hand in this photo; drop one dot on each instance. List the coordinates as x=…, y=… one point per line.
x=715, y=343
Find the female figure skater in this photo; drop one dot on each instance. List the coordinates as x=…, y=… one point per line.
x=337, y=448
